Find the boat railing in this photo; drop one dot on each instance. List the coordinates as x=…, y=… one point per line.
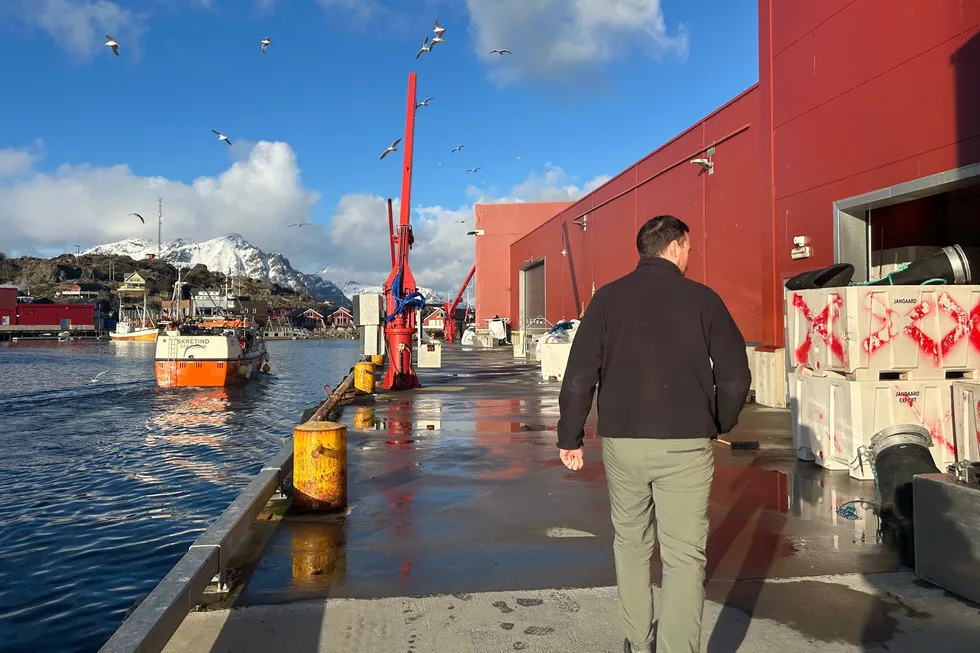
x=159, y=615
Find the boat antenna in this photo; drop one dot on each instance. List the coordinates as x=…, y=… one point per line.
x=160, y=228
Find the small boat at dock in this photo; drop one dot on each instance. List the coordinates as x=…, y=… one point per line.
x=211, y=353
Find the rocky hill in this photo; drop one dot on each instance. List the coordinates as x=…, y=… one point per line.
x=46, y=277
x=229, y=255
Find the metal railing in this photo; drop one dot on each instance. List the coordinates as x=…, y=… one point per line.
x=153, y=623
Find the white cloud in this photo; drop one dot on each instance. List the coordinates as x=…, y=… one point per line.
x=15, y=162
x=552, y=185
x=555, y=38
x=441, y=254
x=258, y=196
x=79, y=26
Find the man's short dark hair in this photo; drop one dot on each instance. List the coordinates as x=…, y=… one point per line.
x=658, y=233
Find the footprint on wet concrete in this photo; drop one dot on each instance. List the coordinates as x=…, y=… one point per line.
x=538, y=630
x=452, y=607
x=527, y=603
x=565, y=602
x=503, y=607
x=462, y=596
x=519, y=646
x=507, y=626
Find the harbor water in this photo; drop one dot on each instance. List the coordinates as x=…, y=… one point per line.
x=105, y=484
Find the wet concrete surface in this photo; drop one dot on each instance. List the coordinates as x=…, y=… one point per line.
x=456, y=490
x=457, y=487
x=825, y=614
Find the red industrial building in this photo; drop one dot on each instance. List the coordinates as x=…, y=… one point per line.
x=61, y=316
x=8, y=305
x=862, y=134
x=498, y=226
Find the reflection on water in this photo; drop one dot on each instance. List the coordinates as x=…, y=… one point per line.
x=105, y=485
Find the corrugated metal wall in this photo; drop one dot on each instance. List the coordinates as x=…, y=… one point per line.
x=854, y=96
x=721, y=210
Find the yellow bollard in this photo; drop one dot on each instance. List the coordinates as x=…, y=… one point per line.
x=364, y=377
x=320, y=466
x=378, y=360
x=364, y=418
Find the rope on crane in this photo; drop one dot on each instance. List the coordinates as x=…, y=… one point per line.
x=412, y=300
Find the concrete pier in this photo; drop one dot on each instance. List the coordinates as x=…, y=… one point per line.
x=465, y=533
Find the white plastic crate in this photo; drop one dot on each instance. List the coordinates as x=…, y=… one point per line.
x=862, y=332
x=833, y=418
x=966, y=421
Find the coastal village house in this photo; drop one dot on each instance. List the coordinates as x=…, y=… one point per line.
x=342, y=318
x=134, y=284
x=84, y=290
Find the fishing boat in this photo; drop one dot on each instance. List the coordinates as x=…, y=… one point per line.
x=210, y=353
x=140, y=330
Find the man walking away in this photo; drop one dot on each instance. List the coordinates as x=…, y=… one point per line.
x=649, y=341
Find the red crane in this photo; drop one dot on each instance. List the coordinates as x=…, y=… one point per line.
x=450, y=308
x=400, y=289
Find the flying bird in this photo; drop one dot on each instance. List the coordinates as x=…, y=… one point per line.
x=300, y=224
x=436, y=40
x=424, y=103
x=391, y=148
x=501, y=52
x=519, y=159
x=111, y=42
x=140, y=217
x=440, y=163
x=266, y=42
x=473, y=170
x=96, y=379
x=425, y=47
x=457, y=148
x=222, y=137
x=439, y=29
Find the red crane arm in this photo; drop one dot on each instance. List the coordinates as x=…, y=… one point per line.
x=459, y=295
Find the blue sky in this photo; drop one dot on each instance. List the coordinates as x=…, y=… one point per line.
x=332, y=91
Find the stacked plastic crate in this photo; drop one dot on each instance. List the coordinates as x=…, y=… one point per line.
x=866, y=357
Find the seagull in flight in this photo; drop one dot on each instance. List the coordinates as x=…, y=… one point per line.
x=266, y=42
x=439, y=29
x=501, y=51
x=391, y=148
x=424, y=103
x=425, y=47
x=112, y=43
x=440, y=163
x=96, y=379
x=519, y=159
x=222, y=137
x=473, y=170
x=457, y=148
x=299, y=224
x=140, y=217
x=436, y=40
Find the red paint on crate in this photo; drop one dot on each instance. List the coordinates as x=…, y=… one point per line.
x=822, y=325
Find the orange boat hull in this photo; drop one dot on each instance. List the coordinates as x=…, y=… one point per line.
x=205, y=373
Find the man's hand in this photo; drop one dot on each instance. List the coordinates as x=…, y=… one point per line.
x=573, y=458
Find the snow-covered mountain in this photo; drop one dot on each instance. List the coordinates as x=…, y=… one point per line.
x=236, y=256
x=229, y=255
x=351, y=288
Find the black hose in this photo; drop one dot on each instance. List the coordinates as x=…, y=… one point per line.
x=954, y=265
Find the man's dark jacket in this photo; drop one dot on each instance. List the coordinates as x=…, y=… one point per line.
x=649, y=340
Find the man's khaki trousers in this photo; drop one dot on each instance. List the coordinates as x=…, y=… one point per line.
x=658, y=489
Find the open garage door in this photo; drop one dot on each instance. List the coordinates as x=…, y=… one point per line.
x=532, y=299
x=878, y=232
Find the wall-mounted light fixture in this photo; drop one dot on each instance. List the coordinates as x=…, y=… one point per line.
x=478, y=232
x=707, y=165
x=582, y=222
x=800, y=248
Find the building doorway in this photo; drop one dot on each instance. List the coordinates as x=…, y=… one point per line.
x=875, y=231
